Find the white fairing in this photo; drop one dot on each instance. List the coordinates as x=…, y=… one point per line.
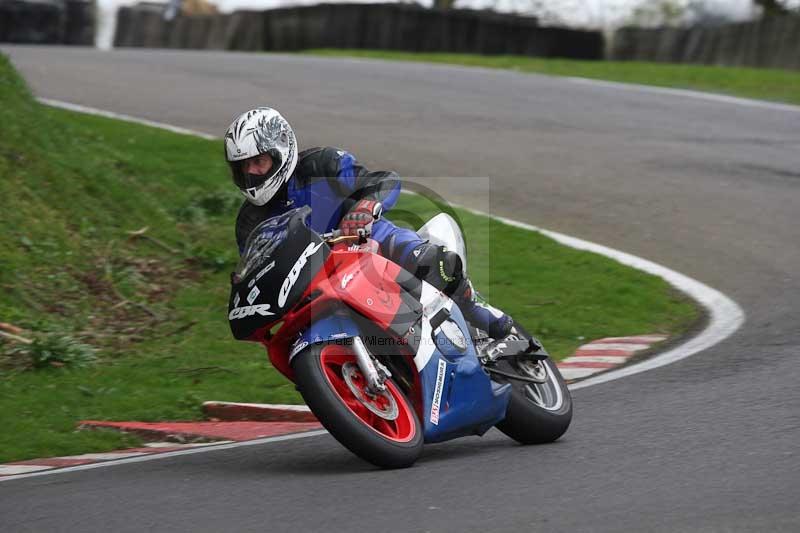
x=432, y=301
x=443, y=230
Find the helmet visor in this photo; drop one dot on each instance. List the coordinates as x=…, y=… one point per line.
x=246, y=175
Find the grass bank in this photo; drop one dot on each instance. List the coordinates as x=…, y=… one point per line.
x=116, y=243
x=764, y=84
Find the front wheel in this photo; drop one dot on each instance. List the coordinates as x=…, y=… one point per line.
x=540, y=411
x=382, y=429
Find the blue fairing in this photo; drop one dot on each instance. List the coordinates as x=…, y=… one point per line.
x=470, y=403
x=331, y=328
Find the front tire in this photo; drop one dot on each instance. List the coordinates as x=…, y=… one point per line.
x=383, y=430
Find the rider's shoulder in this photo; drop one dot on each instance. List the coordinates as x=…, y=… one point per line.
x=248, y=210
x=320, y=161
x=247, y=219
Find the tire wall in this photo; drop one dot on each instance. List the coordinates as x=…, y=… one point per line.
x=376, y=26
x=772, y=42
x=48, y=22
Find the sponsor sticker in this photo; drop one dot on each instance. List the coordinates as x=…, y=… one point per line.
x=253, y=295
x=236, y=300
x=346, y=279
x=291, y=278
x=244, y=312
x=437, y=393
x=341, y=335
x=298, y=346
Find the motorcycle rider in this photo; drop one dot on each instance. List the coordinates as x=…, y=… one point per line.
x=274, y=176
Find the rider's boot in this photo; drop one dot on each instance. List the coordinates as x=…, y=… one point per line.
x=479, y=313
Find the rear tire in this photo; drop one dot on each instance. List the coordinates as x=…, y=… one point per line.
x=537, y=416
x=383, y=430
x=537, y=413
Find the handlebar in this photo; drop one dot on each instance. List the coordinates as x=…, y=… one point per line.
x=332, y=237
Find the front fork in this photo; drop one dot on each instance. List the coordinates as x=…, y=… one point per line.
x=338, y=327
x=375, y=372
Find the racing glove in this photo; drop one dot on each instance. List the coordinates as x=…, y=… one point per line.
x=358, y=221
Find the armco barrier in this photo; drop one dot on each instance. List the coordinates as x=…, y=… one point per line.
x=79, y=24
x=217, y=37
x=47, y=21
x=32, y=22
x=123, y=35
x=247, y=31
x=152, y=29
x=772, y=42
x=378, y=26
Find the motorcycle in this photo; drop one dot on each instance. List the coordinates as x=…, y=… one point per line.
x=384, y=360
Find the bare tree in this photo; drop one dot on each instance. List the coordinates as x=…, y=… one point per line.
x=771, y=7
x=443, y=4
x=659, y=13
x=778, y=7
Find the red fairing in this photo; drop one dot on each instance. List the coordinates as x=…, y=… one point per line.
x=298, y=319
x=362, y=281
x=365, y=282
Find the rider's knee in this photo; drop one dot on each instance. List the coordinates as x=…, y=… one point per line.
x=436, y=265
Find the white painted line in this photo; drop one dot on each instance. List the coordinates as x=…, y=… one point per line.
x=104, y=456
x=616, y=359
x=725, y=317
x=593, y=353
x=714, y=97
x=158, y=456
x=127, y=118
x=287, y=407
x=615, y=346
x=577, y=373
x=638, y=339
x=14, y=470
x=157, y=445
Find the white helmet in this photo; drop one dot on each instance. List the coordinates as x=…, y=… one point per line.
x=261, y=131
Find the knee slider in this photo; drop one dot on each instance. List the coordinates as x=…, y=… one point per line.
x=440, y=268
x=450, y=268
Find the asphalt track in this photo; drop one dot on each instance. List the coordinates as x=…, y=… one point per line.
x=708, y=188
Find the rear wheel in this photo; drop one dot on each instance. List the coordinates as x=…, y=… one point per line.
x=540, y=410
x=380, y=428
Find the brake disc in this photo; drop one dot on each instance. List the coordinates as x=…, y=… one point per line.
x=535, y=370
x=382, y=404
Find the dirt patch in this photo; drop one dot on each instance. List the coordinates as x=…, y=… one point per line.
x=109, y=305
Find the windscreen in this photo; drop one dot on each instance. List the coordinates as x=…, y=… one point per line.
x=263, y=241
x=281, y=257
